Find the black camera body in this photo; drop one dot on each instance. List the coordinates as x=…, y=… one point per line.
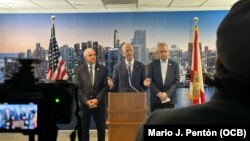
x=48, y=102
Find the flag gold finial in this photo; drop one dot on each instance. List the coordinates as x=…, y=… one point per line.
x=196, y=20
x=53, y=18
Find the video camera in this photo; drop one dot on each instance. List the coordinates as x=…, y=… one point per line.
x=32, y=106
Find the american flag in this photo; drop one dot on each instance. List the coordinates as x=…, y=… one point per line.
x=56, y=69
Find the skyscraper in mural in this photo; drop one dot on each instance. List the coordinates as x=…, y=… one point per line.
x=139, y=43
x=40, y=53
x=176, y=54
x=116, y=39
x=78, y=54
x=111, y=58
x=117, y=44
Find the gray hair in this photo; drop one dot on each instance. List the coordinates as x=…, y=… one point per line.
x=126, y=44
x=87, y=50
x=160, y=44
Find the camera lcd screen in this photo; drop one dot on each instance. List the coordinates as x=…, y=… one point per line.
x=18, y=116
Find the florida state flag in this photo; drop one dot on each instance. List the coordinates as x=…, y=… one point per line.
x=196, y=86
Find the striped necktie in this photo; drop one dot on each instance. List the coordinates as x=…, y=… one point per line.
x=91, y=74
x=129, y=69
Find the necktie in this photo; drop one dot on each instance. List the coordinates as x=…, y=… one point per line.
x=129, y=69
x=91, y=74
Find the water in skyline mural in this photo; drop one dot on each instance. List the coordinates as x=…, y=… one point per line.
x=28, y=36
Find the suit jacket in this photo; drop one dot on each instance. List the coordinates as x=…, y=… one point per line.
x=100, y=87
x=170, y=84
x=223, y=108
x=121, y=80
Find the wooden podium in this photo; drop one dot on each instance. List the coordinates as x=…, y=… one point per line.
x=126, y=111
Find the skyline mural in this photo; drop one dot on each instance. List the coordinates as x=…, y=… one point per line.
x=20, y=32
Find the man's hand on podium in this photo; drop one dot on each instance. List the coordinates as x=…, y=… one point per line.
x=110, y=82
x=147, y=82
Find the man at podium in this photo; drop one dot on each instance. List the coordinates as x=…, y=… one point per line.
x=128, y=75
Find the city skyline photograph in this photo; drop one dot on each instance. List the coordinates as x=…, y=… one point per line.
x=28, y=36
x=20, y=32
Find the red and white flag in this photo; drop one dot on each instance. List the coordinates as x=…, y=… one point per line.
x=196, y=86
x=56, y=69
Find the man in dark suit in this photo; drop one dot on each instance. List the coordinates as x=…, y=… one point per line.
x=164, y=75
x=93, y=87
x=229, y=105
x=128, y=75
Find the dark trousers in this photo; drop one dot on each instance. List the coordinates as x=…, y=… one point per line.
x=155, y=106
x=99, y=119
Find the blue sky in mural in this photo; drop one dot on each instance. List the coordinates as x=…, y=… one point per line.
x=19, y=32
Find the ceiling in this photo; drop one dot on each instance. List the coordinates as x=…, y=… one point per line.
x=75, y=6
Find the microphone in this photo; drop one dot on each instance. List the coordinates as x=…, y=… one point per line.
x=130, y=84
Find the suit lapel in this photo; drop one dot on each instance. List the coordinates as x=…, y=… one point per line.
x=168, y=71
x=158, y=65
x=96, y=73
x=135, y=68
x=124, y=69
x=86, y=70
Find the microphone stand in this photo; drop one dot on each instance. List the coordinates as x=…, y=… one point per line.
x=130, y=84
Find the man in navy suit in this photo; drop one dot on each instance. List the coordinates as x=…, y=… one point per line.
x=164, y=75
x=93, y=88
x=128, y=75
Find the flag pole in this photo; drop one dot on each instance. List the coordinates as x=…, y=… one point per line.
x=52, y=34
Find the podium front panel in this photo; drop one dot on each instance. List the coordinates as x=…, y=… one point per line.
x=126, y=111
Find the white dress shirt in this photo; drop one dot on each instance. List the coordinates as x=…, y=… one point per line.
x=164, y=68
